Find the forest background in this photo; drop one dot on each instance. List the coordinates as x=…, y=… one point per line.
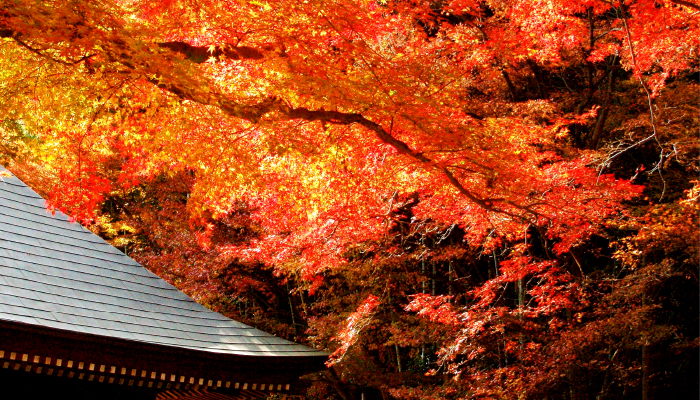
x=457, y=199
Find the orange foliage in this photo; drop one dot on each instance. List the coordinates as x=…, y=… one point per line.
x=352, y=133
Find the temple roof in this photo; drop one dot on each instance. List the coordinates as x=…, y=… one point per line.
x=57, y=275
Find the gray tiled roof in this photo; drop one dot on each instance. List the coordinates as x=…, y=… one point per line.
x=57, y=274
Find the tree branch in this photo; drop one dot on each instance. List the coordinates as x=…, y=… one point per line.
x=686, y=3
x=200, y=54
x=254, y=113
x=176, y=81
x=195, y=54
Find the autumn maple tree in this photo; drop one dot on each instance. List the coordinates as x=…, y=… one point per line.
x=456, y=198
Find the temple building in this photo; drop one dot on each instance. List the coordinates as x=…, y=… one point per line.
x=81, y=320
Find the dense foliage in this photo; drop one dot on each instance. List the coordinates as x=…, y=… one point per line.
x=457, y=199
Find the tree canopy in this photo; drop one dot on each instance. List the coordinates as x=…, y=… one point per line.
x=496, y=190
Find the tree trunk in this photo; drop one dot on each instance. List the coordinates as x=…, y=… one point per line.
x=511, y=88
x=449, y=278
x=539, y=81
x=339, y=387
x=398, y=358
x=432, y=280
x=645, y=372
x=600, y=122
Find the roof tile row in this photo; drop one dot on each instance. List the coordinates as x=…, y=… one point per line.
x=57, y=274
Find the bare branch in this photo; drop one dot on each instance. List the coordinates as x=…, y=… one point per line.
x=201, y=54
x=686, y=3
